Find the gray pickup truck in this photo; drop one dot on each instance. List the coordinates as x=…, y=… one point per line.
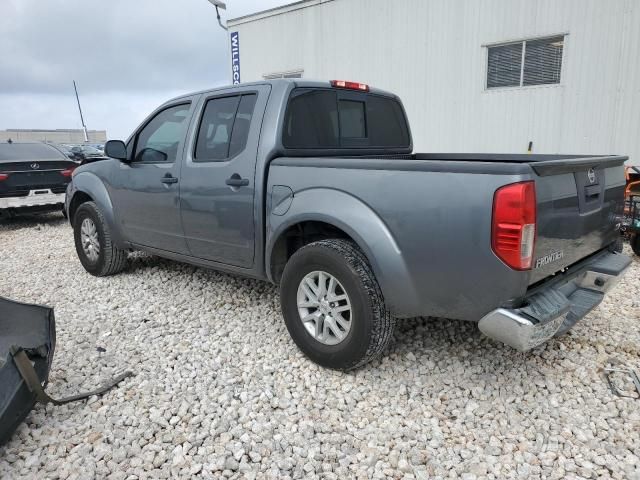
x=313, y=186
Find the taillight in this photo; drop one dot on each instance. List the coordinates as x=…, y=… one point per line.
x=67, y=172
x=3, y=176
x=363, y=87
x=513, y=229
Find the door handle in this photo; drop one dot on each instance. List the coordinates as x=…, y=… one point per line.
x=236, y=181
x=168, y=178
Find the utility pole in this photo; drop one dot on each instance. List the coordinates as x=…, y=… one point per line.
x=84, y=127
x=221, y=5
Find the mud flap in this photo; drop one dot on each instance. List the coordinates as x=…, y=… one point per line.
x=27, y=344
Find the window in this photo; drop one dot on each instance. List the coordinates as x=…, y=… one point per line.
x=241, y=126
x=542, y=63
x=312, y=119
x=352, y=120
x=158, y=141
x=224, y=127
x=505, y=66
x=291, y=74
x=29, y=151
x=322, y=118
x=386, y=122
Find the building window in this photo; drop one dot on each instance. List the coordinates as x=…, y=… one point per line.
x=290, y=74
x=525, y=63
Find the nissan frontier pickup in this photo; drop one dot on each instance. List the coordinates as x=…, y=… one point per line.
x=314, y=186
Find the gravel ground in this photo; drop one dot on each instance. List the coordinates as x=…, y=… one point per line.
x=221, y=390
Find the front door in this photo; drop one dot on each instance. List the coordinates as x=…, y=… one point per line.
x=148, y=203
x=218, y=178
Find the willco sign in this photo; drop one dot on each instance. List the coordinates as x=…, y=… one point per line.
x=235, y=57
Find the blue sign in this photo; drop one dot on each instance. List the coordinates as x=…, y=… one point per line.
x=235, y=57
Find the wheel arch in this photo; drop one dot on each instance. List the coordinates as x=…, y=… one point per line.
x=337, y=214
x=79, y=197
x=87, y=187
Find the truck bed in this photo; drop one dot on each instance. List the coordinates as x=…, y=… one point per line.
x=446, y=201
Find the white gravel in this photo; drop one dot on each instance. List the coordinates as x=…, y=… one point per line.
x=221, y=390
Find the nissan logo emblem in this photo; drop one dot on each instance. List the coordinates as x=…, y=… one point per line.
x=591, y=174
x=35, y=166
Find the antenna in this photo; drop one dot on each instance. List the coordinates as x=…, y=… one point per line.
x=84, y=127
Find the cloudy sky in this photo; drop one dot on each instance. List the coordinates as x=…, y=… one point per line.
x=127, y=57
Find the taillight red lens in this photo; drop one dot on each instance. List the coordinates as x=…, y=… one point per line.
x=513, y=231
x=363, y=87
x=67, y=172
x=3, y=176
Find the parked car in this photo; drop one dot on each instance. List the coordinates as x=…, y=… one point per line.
x=75, y=156
x=98, y=146
x=85, y=153
x=33, y=177
x=314, y=186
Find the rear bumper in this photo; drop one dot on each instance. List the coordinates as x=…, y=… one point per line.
x=35, y=198
x=557, y=308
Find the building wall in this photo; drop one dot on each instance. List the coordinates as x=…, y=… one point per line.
x=56, y=136
x=431, y=53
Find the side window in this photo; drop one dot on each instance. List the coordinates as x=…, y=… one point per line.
x=241, y=125
x=224, y=128
x=158, y=141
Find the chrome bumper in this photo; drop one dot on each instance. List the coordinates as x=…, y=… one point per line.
x=34, y=199
x=555, y=309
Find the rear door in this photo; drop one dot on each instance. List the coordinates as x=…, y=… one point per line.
x=147, y=200
x=217, y=182
x=578, y=212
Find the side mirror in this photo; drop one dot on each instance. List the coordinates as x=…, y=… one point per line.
x=116, y=149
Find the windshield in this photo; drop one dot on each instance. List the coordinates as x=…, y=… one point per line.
x=28, y=151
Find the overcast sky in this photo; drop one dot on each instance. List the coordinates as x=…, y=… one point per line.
x=127, y=57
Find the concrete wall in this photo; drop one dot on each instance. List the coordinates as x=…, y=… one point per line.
x=56, y=136
x=431, y=52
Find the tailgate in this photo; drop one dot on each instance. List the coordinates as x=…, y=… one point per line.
x=580, y=201
x=22, y=177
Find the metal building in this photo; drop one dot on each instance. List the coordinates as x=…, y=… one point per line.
x=61, y=135
x=482, y=76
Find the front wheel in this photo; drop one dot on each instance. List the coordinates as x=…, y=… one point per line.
x=93, y=242
x=333, y=306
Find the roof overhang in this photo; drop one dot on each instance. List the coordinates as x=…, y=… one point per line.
x=272, y=12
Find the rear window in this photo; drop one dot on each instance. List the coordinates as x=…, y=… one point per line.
x=323, y=118
x=29, y=151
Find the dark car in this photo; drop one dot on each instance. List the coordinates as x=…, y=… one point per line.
x=33, y=177
x=85, y=153
x=66, y=150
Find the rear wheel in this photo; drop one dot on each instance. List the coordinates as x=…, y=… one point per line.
x=93, y=242
x=635, y=243
x=332, y=305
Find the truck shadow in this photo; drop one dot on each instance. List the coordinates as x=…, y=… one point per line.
x=438, y=346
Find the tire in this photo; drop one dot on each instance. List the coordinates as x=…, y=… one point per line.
x=635, y=243
x=110, y=260
x=370, y=323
